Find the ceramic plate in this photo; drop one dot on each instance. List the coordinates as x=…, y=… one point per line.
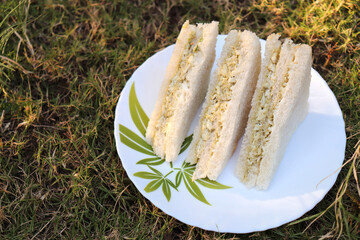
x=307, y=172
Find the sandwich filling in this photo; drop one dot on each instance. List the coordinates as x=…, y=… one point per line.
x=263, y=119
x=272, y=91
x=178, y=83
x=212, y=121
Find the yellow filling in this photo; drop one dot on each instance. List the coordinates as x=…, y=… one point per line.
x=264, y=119
x=212, y=122
x=179, y=81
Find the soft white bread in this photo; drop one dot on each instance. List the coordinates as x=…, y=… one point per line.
x=183, y=88
x=279, y=105
x=227, y=104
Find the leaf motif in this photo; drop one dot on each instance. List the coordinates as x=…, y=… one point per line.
x=166, y=190
x=146, y=175
x=187, y=140
x=189, y=168
x=134, y=137
x=143, y=116
x=156, y=171
x=178, y=179
x=183, y=148
x=151, y=161
x=134, y=146
x=194, y=189
x=211, y=184
x=138, y=115
x=186, y=143
x=153, y=185
x=171, y=183
x=132, y=140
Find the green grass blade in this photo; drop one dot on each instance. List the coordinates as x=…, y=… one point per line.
x=153, y=185
x=305, y=218
x=211, y=184
x=6, y=66
x=134, y=137
x=134, y=146
x=138, y=115
x=166, y=190
x=146, y=175
x=151, y=161
x=194, y=189
x=12, y=10
x=4, y=38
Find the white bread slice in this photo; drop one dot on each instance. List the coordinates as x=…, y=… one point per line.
x=227, y=104
x=183, y=88
x=284, y=109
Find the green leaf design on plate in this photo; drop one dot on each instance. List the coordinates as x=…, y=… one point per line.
x=138, y=115
x=160, y=179
x=134, y=137
x=125, y=140
x=171, y=184
x=166, y=190
x=146, y=175
x=151, y=161
x=189, y=168
x=178, y=179
x=194, y=189
x=153, y=185
x=211, y=184
x=156, y=171
x=186, y=143
x=136, y=142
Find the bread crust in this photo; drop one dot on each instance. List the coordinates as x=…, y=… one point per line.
x=212, y=159
x=167, y=145
x=291, y=111
x=273, y=46
x=290, y=106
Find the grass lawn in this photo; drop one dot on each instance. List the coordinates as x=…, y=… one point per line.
x=63, y=65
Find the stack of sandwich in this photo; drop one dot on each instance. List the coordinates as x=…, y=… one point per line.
x=263, y=100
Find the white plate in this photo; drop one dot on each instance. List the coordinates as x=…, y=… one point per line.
x=303, y=178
